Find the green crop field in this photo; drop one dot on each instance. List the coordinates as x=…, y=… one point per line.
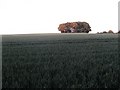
x=60, y=61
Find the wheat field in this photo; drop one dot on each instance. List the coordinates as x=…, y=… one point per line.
x=60, y=61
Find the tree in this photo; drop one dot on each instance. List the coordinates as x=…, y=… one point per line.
x=104, y=32
x=74, y=27
x=110, y=31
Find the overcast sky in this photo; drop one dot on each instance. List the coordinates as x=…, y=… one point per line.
x=44, y=16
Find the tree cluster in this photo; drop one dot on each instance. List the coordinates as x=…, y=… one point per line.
x=74, y=27
x=110, y=31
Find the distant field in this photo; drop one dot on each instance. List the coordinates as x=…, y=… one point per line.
x=60, y=60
